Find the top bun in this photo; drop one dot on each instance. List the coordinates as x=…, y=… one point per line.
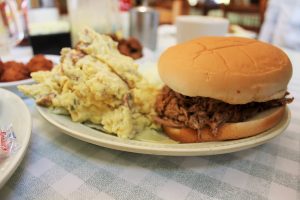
x=232, y=69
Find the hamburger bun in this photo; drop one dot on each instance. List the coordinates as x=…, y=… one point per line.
x=231, y=69
x=230, y=131
x=243, y=74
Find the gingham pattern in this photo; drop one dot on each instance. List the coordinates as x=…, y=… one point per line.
x=57, y=166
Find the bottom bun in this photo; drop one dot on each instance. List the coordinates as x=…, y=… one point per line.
x=229, y=131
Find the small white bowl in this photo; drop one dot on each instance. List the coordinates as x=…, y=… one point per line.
x=192, y=26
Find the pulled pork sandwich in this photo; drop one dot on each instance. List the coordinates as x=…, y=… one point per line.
x=222, y=88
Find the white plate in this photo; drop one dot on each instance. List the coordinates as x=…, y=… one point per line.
x=148, y=55
x=87, y=134
x=12, y=86
x=13, y=110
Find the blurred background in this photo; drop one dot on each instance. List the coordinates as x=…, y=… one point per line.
x=51, y=24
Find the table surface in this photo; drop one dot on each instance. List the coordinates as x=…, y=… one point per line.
x=57, y=166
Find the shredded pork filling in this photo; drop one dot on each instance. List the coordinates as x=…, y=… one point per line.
x=177, y=110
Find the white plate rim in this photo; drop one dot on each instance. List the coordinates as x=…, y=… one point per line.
x=15, y=83
x=195, y=149
x=17, y=157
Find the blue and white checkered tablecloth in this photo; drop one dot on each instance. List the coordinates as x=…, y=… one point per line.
x=57, y=166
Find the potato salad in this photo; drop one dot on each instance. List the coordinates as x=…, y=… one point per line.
x=95, y=83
